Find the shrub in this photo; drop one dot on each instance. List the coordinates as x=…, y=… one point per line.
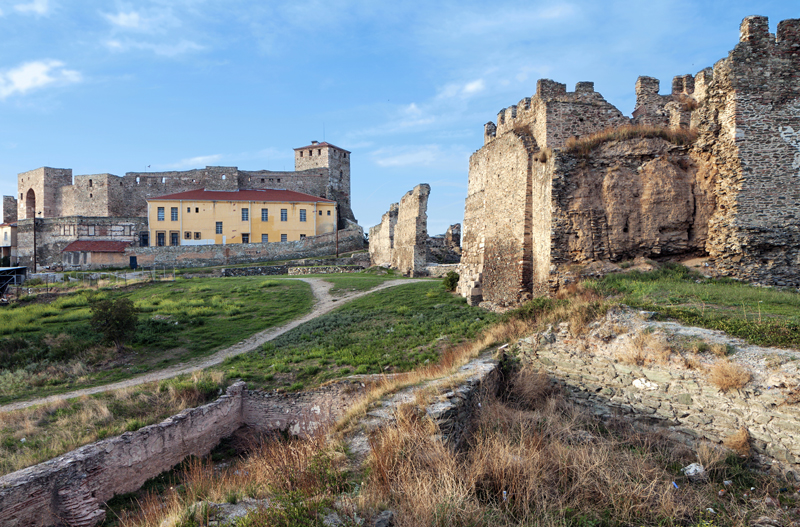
x=115, y=319
x=451, y=280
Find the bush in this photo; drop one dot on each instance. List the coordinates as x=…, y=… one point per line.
x=451, y=280
x=115, y=319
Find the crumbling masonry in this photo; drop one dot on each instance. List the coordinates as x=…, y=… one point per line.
x=538, y=208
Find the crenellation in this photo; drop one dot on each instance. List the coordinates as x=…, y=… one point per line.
x=755, y=30
x=534, y=208
x=547, y=88
x=584, y=87
x=489, y=132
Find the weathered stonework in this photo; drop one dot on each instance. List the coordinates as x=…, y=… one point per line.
x=53, y=193
x=446, y=248
x=350, y=239
x=71, y=489
x=535, y=208
x=8, y=210
x=400, y=240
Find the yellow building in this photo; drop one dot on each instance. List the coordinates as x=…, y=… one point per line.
x=204, y=217
x=8, y=244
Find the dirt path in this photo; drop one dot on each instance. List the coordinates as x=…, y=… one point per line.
x=325, y=303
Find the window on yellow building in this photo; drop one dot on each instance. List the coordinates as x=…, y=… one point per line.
x=219, y=227
x=187, y=235
x=302, y=214
x=264, y=214
x=265, y=238
x=197, y=236
x=245, y=237
x=284, y=214
x=245, y=214
x=283, y=238
x=173, y=214
x=160, y=213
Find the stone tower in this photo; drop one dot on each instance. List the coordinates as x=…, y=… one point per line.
x=336, y=162
x=41, y=192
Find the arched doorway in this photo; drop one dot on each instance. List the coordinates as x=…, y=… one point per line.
x=30, y=204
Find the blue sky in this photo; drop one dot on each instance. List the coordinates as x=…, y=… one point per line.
x=104, y=86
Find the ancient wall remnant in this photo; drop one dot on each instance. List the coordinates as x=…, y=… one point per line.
x=400, y=240
x=445, y=248
x=72, y=488
x=350, y=239
x=8, y=209
x=381, y=238
x=724, y=182
x=411, y=231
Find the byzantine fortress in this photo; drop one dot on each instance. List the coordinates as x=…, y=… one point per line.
x=710, y=170
x=114, y=208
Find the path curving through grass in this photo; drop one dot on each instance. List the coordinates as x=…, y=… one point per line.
x=325, y=302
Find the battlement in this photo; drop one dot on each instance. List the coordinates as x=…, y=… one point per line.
x=553, y=115
x=754, y=29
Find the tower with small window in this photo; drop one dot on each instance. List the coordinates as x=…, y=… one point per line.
x=336, y=163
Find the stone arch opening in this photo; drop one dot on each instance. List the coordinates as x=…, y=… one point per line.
x=30, y=204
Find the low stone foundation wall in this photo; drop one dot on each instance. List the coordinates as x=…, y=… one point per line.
x=70, y=489
x=440, y=271
x=264, y=270
x=350, y=239
x=325, y=269
x=680, y=402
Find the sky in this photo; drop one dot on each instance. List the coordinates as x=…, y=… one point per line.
x=106, y=86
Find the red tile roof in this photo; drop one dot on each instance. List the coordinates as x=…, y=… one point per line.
x=98, y=246
x=322, y=144
x=242, y=195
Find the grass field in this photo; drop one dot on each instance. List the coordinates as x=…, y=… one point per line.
x=48, y=348
x=388, y=331
x=763, y=316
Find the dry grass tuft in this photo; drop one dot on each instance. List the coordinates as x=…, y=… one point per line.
x=739, y=442
x=535, y=460
x=646, y=348
x=727, y=375
x=583, y=146
x=719, y=349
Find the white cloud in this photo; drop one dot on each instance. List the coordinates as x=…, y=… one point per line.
x=195, y=162
x=424, y=155
x=36, y=7
x=130, y=20
x=474, y=87
x=166, y=50
x=36, y=74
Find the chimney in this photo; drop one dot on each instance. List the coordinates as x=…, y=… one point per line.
x=314, y=142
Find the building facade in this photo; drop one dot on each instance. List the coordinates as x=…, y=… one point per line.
x=206, y=217
x=62, y=208
x=8, y=244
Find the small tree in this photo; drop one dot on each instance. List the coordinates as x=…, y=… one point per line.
x=115, y=319
x=451, y=280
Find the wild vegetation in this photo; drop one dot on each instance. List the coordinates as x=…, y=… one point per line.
x=762, y=316
x=51, y=347
x=584, y=145
x=388, y=331
x=43, y=432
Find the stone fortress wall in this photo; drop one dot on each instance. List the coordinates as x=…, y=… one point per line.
x=536, y=208
x=401, y=240
x=52, y=195
x=8, y=209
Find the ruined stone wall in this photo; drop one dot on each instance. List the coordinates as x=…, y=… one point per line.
x=8, y=209
x=680, y=403
x=54, y=234
x=535, y=206
x=496, y=256
x=381, y=238
x=350, y=239
x=445, y=248
x=72, y=488
x=411, y=232
x=750, y=126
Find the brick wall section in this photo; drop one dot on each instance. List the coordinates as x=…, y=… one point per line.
x=350, y=239
x=381, y=238
x=411, y=232
x=8, y=210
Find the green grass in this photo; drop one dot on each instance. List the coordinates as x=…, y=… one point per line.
x=50, y=348
x=763, y=316
x=35, y=434
x=357, y=282
x=392, y=330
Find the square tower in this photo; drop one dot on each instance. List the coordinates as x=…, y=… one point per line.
x=40, y=192
x=332, y=158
